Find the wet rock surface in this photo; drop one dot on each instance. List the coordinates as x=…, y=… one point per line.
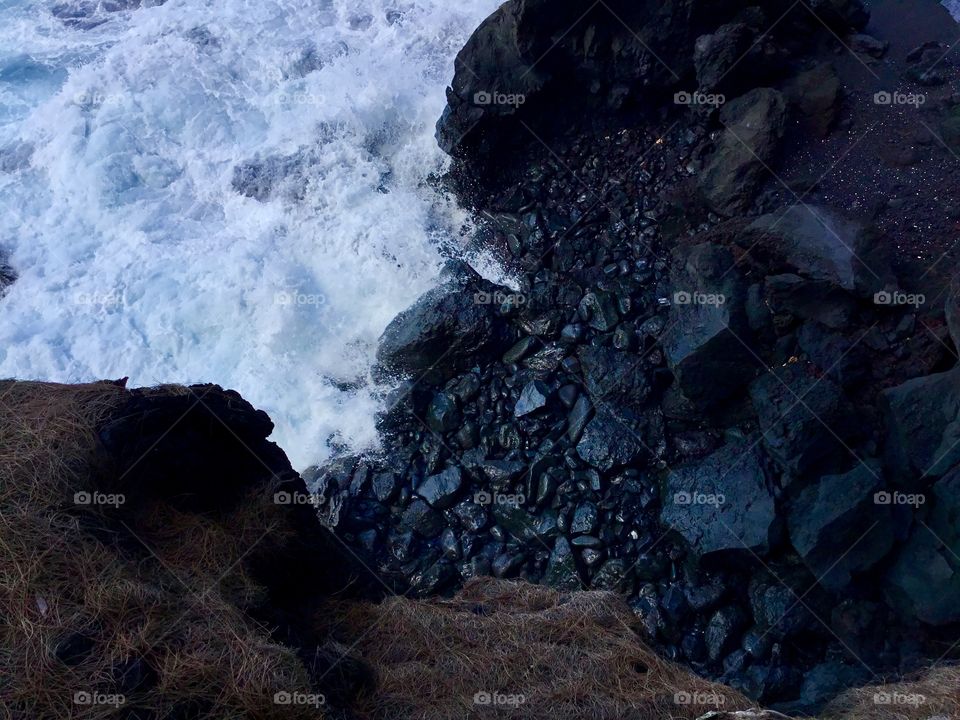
x=705, y=393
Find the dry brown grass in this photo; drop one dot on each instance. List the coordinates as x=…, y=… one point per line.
x=929, y=694
x=170, y=592
x=572, y=655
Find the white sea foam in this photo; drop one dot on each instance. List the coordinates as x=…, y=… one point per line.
x=138, y=257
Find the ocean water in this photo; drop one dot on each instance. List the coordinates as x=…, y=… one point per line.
x=229, y=192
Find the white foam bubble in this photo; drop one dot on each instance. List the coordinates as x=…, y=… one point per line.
x=137, y=256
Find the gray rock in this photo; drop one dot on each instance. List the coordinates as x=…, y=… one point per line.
x=599, y=311
x=578, y=418
x=561, y=570
x=706, y=344
x=922, y=418
x=868, y=45
x=515, y=520
x=815, y=96
x=442, y=413
x=533, y=397
x=721, y=504
x=805, y=419
x=608, y=442
x=924, y=581
x=837, y=527
x=585, y=518
x=826, y=246
x=754, y=125
x=610, y=373
x=779, y=609
x=717, y=55
x=723, y=631
x=441, y=490
x=422, y=519
x=385, y=486
x=454, y=321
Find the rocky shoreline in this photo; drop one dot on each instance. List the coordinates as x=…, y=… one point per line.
x=716, y=389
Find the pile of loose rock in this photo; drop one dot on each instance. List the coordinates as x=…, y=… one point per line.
x=726, y=410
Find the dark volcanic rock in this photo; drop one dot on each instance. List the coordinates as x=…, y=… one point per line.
x=922, y=418
x=924, y=581
x=754, y=125
x=707, y=341
x=805, y=419
x=615, y=373
x=825, y=246
x=722, y=503
x=838, y=527
x=609, y=442
x=532, y=60
x=441, y=490
x=562, y=569
x=718, y=54
x=815, y=96
x=456, y=321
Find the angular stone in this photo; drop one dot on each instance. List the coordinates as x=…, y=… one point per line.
x=443, y=414
x=614, y=374
x=805, y=419
x=721, y=504
x=422, y=519
x=599, y=311
x=837, y=527
x=815, y=94
x=607, y=442
x=533, y=397
x=922, y=418
x=825, y=246
x=707, y=341
x=561, y=570
x=441, y=490
x=754, y=125
x=455, y=321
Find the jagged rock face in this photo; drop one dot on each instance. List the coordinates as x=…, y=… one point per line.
x=923, y=581
x=722, y=504
x=532, y=60
x=923, y=428
x=821, y=244
x=708, y=342
x=458, y=319
x=841, y=511
x=753, y=129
